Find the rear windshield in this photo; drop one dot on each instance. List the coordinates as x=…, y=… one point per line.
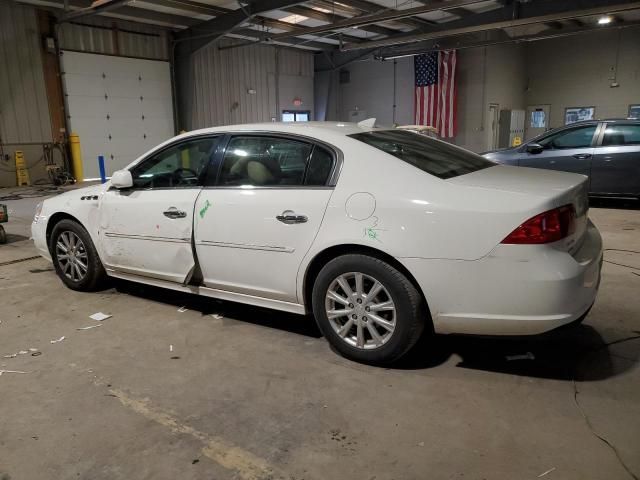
x=428, y=154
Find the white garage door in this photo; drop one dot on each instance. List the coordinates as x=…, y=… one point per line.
x=120, y=107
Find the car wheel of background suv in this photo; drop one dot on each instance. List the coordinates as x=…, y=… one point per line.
x=367, y=309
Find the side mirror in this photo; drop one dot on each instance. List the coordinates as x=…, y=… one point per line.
x=534, y=148
x=121, y=179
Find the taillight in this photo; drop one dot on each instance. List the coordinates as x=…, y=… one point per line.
x=546, y=227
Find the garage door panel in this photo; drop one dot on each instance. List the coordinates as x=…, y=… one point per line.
x=84, y=85
x=156, y=107
x=85, y=106
x=123, y=87
x=155, y=89
x=101, y=86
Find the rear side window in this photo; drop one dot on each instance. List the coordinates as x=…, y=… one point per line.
x=319, y=169
x=433, y=156
x=619, y=135
x=263, y=160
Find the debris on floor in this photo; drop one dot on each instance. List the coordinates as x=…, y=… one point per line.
x=182, y=309
x=217, y=316
x=547, y=472
x=89, y=327
x=525, y=356
x=99, y=316
x=10, y=371
x=58, y=340
x=171, y=348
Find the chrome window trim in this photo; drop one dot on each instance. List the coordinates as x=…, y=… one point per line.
x=334, y=175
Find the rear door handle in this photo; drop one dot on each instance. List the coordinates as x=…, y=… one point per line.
x=173, y=212
x=289, y=217
x=582, y=156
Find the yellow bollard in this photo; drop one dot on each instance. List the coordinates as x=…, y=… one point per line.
x=76, y=156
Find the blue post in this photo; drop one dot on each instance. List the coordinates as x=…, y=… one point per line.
x=103, y=176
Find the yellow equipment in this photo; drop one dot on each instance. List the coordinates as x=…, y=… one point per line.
x=22, y=172
x=76, y=156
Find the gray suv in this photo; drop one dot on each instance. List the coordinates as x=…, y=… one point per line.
x=607, y=151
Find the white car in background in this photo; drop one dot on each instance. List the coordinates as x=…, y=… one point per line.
x=381, y=234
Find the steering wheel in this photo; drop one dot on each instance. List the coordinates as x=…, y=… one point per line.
x=178, y=177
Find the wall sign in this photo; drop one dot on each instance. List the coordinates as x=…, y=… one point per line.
x=578, y=114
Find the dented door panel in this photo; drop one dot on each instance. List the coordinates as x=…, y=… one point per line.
x=148, y=232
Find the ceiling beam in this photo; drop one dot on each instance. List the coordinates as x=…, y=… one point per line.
x=449, y=31
x=358, y=7
x=331, y=17
x=380, y=17
x=472, y=41
x=129, y=13
x=94, y=9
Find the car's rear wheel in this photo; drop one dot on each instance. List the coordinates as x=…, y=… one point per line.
x=367, y=309
x=75, y=257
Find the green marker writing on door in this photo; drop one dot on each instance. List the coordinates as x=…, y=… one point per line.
x=204, y=209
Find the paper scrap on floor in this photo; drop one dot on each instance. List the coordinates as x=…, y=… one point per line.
x=99, y=316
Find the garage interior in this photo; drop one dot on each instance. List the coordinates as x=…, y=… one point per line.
x=178, y=386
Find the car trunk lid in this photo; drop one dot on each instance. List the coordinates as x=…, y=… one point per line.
x=552, y=188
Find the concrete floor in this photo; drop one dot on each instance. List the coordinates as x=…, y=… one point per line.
x=259, y=395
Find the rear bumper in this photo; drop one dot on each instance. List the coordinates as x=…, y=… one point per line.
x=515, y=290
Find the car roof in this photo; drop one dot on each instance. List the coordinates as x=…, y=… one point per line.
x=312, y=129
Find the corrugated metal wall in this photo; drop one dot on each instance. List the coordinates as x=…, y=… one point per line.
x=97, y=35
x=24, y=112
x=221, y=81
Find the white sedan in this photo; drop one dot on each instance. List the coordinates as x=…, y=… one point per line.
x=381, y=234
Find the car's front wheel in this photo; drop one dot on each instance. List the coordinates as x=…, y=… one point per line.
x=75, y=257
x=367, y=309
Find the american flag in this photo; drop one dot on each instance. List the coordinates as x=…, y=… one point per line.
x=435, y=100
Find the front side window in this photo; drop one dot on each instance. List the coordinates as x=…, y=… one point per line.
x=579, y=137
x=182, y=165
x=619, y=135
x=428, y=154
x=264, y=161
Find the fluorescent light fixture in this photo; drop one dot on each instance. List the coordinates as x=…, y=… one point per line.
x=605, y=20
x=294, y=19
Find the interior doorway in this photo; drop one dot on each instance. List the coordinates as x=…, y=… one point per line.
x=493, y=126
x=536, y=121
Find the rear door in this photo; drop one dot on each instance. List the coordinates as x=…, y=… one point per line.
x=146, y=230
x=616, y=162
x=569, y=150
x=256, y=222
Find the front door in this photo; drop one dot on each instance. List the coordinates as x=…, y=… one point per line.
x=255, y=225
x=616, y=162
x=569, y=150
x=146, y=230
x=536, y=121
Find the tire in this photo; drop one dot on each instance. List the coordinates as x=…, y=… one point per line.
x=408, y=317
x=88, y=280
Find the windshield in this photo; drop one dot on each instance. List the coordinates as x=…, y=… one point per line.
x=428, y=154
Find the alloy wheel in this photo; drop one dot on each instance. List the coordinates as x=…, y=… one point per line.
x=72, y=257
x=360, y=310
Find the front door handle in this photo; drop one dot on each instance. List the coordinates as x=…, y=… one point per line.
x=289, y=217
x=582, y=156
x=173, y=212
